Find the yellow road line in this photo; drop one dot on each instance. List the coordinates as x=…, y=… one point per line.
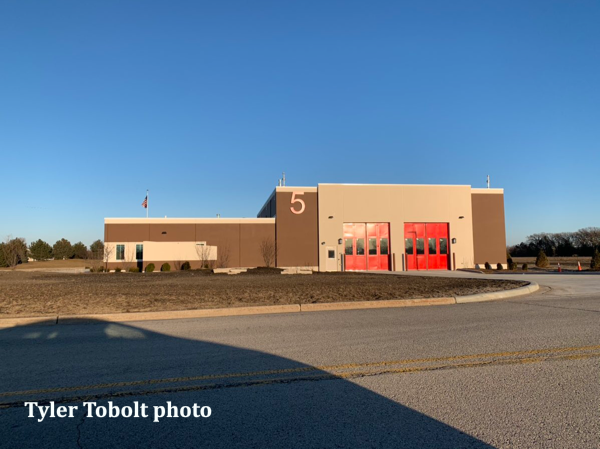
x=299, y=370
x=317, y=377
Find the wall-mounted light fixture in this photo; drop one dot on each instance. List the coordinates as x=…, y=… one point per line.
x=340, y=241
x=330, y=217
x=322, y=243
x=454, y=240
x=461, y=217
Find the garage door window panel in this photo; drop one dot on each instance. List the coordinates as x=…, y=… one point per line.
x=383, y=246
x=420, y=246
x=349, y=247
x=360, y=247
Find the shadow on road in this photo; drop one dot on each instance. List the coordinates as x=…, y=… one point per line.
x=258, y=400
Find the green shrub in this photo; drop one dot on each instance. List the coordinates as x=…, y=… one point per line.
x=150, y=268
x=595, y=263
x=118, y=270
x=134, y=270
x=186, y=266
x=525, y=267
x=165, y=267
x=488, y=266
x=512, y=265
x=100, y=269
x=541, y=260
x=499, y=266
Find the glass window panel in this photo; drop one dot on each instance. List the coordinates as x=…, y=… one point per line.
x=372, y=247
x=331, y=254
x=408, y=244
x=349, y=248
x=432, y=247
x=360, y=247
x=120, y=252
x=420, y=246
x=139, y=252
x=383, y=247
x=443, y=246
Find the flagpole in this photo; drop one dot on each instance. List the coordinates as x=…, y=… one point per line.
x=147, y=203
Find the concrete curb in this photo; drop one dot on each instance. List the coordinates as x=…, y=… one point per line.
x=481, y=297
x=262, y=310
x=392, y=303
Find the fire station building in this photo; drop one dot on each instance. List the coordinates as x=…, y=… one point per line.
x=331, y=227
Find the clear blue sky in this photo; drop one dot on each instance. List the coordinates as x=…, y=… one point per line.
x=206, y=103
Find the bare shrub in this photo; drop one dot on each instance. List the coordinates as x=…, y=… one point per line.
x=223, y=254
x=267, y=251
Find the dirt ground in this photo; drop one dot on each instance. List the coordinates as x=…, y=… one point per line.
x=25, y=293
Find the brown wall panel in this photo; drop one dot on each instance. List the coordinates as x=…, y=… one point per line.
x=297, y=234
x=226, y=237
x=126, y=232
x=174, y=232
x=489, y=233
x=251, y=237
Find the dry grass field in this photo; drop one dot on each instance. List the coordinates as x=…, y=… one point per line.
x=53, y=264
x=566, y=263
x=36, y=293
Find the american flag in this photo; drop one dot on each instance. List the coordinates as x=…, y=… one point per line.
x=145, y=203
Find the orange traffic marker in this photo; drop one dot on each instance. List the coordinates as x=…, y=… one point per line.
x=559, y=268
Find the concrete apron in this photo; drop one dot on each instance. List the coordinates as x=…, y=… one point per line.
x=262, y=310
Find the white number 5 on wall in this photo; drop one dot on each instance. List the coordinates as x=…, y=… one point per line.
x=297, y=200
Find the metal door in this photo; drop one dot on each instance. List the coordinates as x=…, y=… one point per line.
x=426, y=246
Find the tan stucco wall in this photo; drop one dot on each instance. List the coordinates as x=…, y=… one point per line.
x=396, y=204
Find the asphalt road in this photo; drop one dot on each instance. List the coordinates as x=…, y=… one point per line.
x=522, y=372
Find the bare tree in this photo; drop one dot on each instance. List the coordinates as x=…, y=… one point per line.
x=267, y=251
x=223, y=253
x=204, y=252
x=130, y=260
x=107, y=251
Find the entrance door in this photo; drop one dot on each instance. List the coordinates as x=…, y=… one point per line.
x=331, y=264
x=426, y=246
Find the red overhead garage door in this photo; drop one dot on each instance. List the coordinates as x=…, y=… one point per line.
x=367, y=246
x=426, y=246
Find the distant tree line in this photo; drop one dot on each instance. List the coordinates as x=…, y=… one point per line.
x=14, y=251
x=559, y=244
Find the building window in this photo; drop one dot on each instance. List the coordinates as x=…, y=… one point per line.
x=372, y=247
x=432, y=247
x=120, y=252
x=331, y=254
x=383, y=246
x=349, y=247
x=139, y=252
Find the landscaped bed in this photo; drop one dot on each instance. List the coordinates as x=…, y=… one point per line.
x=25, y=293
